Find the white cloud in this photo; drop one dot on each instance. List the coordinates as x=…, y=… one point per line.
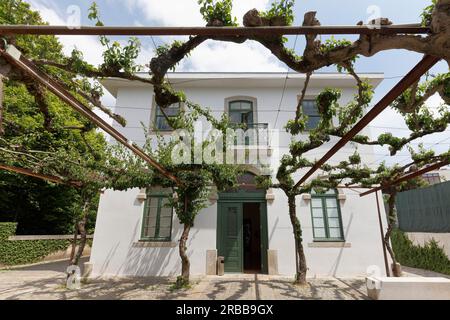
x=90, y=46
x=186, y=12
x=228, y=57
x=169, y=12
x=241, y=7
x=211, y=56
x=390, y=119
x=434, y=101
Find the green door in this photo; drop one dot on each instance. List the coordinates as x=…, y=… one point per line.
x=264, y=236
x=231, y=248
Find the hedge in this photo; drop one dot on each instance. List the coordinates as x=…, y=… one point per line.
x=429, y=257
x=25, y=251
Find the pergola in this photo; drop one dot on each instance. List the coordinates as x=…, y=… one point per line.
x=15, y=58
x=22, y=63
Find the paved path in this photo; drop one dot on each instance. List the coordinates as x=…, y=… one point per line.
x=414, y=272
x=47, y=281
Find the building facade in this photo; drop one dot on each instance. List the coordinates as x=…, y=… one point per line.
x=137, y=235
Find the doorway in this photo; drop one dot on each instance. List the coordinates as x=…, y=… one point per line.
x=252, y=237
x=242, y=235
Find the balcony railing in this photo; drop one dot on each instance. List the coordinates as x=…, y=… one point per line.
x=251, y=134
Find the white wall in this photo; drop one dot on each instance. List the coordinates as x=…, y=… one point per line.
x=118, y=230
x=119, y=216
x=361, y=231
x=135, y=105
x=421, y=238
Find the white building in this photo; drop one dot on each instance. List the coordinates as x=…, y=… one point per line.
x=135, y=236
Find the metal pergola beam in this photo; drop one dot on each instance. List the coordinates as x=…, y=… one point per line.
x=30, y=173
x=210, y=31
x=28, y=67
x=413, y=76
x=407, y=177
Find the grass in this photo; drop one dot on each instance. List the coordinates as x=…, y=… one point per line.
x=180, y=284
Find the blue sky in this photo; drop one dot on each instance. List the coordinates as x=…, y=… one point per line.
x=252, y=56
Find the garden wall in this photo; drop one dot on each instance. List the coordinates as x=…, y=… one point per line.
x=18, y=250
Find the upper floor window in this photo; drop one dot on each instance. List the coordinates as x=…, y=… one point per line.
x=161, y=122
x=432, y=178
x=241, y=112
x=326, y=216
x=157, y=219
x=310, y=109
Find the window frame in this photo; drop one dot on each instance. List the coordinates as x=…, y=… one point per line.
x=160, y=196
x=250, y=99
x=252, y=110
x=154, y=116
x=432, y=178
x=323, y=197
x=313, y=99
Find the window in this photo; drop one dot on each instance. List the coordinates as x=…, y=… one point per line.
x=310, y=109
x=157, y=220
x=326, y=217
x=161, y=121
x=241, y=111
x=432, y=178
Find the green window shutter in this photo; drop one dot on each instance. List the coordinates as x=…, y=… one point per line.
x=157, y=219
x=326, y=217
x=165, y=219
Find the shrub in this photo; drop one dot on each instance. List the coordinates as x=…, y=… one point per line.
x=25, y=251
x=429, y=257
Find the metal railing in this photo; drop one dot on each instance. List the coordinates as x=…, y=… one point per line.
x=251, y=134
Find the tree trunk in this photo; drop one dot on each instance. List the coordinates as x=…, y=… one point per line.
x=74, y=242
x=81, y=228
x=185, y=263
x=2, y=130
x=396, y=271
x=301, y=268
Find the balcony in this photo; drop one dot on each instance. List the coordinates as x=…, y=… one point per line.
x=251, y=135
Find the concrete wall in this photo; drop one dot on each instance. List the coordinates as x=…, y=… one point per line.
x=420, y=238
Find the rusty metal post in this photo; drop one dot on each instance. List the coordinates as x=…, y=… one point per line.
x=407, y=177
x=28, y=67
x=210, y=31
x=386, y=263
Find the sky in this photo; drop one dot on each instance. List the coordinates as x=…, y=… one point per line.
x=251, y=56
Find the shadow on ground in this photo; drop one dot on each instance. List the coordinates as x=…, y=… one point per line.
x=35, y=284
